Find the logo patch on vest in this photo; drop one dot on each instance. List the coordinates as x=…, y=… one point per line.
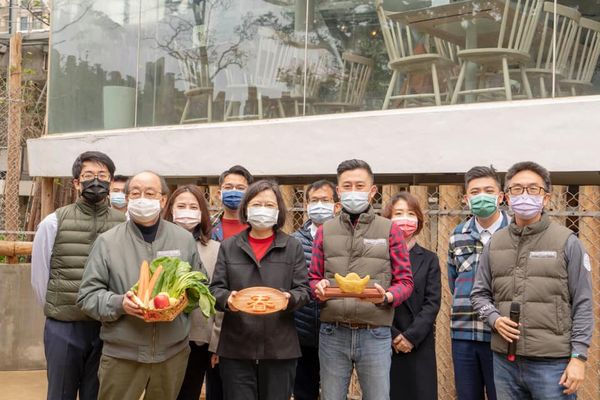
x=375, y=242
x=168, y=253
x=542, y=254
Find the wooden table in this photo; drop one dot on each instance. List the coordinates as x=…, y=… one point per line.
x=469, y=24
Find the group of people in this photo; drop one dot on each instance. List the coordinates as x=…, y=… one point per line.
x=86, y=258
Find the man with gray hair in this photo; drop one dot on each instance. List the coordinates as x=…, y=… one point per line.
x=539, y=270
x=137, y=356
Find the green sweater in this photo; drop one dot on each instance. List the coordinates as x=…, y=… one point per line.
x=112, y=269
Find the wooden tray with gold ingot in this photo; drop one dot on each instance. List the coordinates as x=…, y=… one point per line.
x=260, y=300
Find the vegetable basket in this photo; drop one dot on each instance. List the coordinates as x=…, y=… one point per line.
x=166, y=314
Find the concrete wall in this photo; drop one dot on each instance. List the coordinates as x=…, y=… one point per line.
x=561, y=134
x=21, y=321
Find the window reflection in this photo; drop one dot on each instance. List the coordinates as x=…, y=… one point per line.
x=133, y=63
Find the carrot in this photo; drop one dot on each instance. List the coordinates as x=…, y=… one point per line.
x=152, y=283
x=143, y=282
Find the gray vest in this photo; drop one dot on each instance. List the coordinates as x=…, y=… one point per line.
x=78, y=226
x=363, y=249
x=528, y=266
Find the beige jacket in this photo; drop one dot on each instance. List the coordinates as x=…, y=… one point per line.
x=206, y=331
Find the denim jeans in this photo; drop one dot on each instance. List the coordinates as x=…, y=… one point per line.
x=529, y=379
x=368, y=350
x=473, y=370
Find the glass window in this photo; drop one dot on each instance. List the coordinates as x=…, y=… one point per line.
x=24, y=25
x=133, y=63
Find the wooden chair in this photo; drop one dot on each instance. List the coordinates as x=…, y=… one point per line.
x=194, y=67
x=517, y=29
x=410, y=56
x=314, y=77
x=584, y=58
x=260, y=80
x=353, y=84
x=567, y=24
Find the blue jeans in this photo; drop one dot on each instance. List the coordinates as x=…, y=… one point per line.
x=368, y=350
x=529, y=379
x=473, y=370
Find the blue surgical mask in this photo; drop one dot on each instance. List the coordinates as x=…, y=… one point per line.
x=355, y=202
x=320, y=212
x=117, y=199
x=231, y=198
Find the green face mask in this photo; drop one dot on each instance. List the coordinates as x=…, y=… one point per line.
x=483, y=205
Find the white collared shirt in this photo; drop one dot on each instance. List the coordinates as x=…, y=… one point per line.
x=313, y=230
x=486, y=233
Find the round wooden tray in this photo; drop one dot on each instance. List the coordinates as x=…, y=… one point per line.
x=260, y=300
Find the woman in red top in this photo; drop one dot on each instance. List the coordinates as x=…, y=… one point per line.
x=258, y=353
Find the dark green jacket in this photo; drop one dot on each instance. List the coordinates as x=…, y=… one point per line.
x=78, y=225
x=363, y=249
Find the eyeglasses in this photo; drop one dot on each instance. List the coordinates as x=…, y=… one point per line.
x=88, y=176
x=532, y=190
x=148, y=194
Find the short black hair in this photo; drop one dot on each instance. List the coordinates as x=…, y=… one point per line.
x=237, y=170
x=353, y=164
x=253, y=191
x=320, y=184
x=94, y=156
x=482, y=172
x=529, y=166
x=164, y=187
x=120, y=178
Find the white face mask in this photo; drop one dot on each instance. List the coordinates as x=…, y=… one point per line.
x=186, y=218
x=262, y=217
x=143, y=210
x=355, y=202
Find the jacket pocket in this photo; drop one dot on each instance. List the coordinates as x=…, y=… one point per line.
x=327, y=329
x=465, y=257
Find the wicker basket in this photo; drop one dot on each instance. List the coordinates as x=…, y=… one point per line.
x=166, y=314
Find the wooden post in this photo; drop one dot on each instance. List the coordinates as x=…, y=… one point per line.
x=215, y=200
x=13, y=173
x=47, y=200
x=558, y=203
x=450, y=198
x=589, y=234
x=288, y=193
x=387, y=192
x=422, y=194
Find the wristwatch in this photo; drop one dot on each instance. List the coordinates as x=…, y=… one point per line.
x=580, y=357
x=385, y=301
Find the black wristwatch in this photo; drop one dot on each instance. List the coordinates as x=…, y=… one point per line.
x=580, y=357
x=385, y=301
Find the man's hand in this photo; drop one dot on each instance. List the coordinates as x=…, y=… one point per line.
x=573, y=376
x=131, y=307
x=507, y=329
x=214, y=360
x=230, y=301
x=383, y=293
x=287, y=300
x=320, y=289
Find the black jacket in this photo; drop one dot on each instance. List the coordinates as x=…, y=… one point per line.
x=272, y=336
x=413, y=375
x=415, y=317
x=307, y=318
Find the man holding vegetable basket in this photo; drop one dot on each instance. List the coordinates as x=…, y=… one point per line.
x=144, y=311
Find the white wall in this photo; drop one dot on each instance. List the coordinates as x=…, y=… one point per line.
x=563, y=135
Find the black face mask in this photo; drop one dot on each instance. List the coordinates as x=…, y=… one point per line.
x=94, y=190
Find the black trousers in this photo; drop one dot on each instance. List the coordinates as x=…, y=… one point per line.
x=214, y=385
x=73, y=351
x=257, y=379
x=197, y=365
x=306, y=386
